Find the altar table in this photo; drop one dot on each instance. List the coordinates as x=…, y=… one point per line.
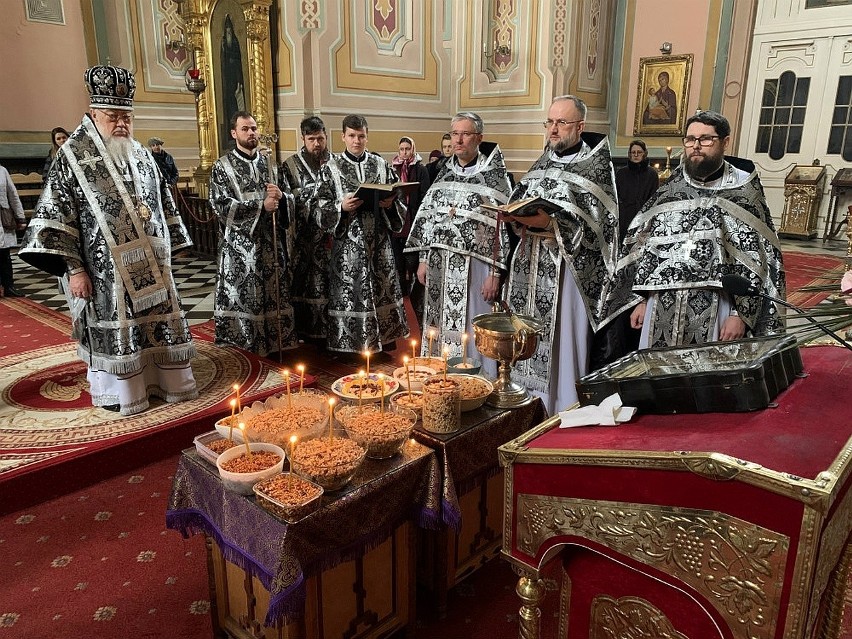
x=347, y=568
x=728, y=525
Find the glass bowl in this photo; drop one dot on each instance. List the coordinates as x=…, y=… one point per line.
x=243, y=482
x=288, y=496
x=382, y=434
x=401, y=400
x=329, y=463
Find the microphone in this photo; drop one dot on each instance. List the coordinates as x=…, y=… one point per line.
x=742, y=286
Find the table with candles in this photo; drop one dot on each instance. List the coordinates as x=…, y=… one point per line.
x=431, y=513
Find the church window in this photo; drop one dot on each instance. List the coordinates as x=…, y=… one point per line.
x=840, y=133
x=782, y=115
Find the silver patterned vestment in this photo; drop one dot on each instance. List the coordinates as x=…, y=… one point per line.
x=583, y=239
x=450, y=230
x=120, y=224
x=245, y=310
x=681, y=244
x=311, y=247
x=365, y=307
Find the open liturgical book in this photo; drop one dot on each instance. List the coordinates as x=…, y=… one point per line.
x=368, y=191
x=524, y=208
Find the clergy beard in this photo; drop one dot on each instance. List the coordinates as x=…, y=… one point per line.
x=119, y=149
x=700, y=166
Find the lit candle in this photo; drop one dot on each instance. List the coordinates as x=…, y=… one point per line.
x=668, y=150
x=292, y=448
x=414, y=352
x=464, y=350
x=360, y=389
x=245, y=439
x=231, y=422
x=330, y=418
x=239, y=406
x=446, y=352
x=286, y=374
x=407, y=375
x=382, y=391
x=367, y=355
x=431, y=337
x=301, y=368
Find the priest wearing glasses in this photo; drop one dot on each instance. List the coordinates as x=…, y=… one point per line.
x=564, y=260
x=710, y=219
x=106, y=225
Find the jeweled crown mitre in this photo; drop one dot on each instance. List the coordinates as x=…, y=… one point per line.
x=110, y=87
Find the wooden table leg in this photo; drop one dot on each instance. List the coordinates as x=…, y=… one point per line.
x=531, y=591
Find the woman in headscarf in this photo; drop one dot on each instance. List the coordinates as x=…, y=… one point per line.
x=409, y=167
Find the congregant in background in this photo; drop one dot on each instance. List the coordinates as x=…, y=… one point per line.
x=252, y=307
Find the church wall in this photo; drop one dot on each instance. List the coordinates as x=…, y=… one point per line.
x=41, y=89
x=812, y=40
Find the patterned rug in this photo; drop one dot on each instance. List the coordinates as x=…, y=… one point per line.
x=805, y=269
x=47, y=419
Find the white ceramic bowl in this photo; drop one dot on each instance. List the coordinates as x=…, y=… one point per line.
x=243, y=483
x=469, y=402
x=416, y=373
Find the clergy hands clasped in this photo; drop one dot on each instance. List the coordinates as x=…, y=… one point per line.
x=273, y=197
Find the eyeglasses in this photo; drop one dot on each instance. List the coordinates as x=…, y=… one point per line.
x=704, y=140
x=559, y=123
x=462, y=134
x=114, y=117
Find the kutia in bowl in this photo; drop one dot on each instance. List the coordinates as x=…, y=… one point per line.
x=411, y=401
x=464, y=365
x=381, y=432
x=240, y=471
x=474, y=390
x=279, y=417
x=413, y=374
x=288, y=496
x=211, y=445
x=329, y=462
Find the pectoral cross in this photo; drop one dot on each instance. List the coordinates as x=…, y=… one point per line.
x=89, y=159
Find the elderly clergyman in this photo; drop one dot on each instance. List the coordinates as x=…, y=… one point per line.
x=106, y=225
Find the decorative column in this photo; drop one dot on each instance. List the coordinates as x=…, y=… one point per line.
x=256, y=13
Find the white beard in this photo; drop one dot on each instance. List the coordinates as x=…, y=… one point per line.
x=120, y=150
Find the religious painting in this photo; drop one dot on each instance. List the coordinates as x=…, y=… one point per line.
x=662, y=95
x=230, y=67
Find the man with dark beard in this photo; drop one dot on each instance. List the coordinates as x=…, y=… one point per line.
x=709, y=220
x=252, y=307
x=106, y=225
x=311, y=244
x=562, y=263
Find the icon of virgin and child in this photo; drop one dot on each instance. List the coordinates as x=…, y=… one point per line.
x=662, y=103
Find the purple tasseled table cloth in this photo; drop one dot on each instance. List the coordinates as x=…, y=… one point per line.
x=381, y=496
x=472, y=450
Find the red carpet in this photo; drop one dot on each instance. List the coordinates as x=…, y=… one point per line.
x=51, y=437
x=804, y=269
